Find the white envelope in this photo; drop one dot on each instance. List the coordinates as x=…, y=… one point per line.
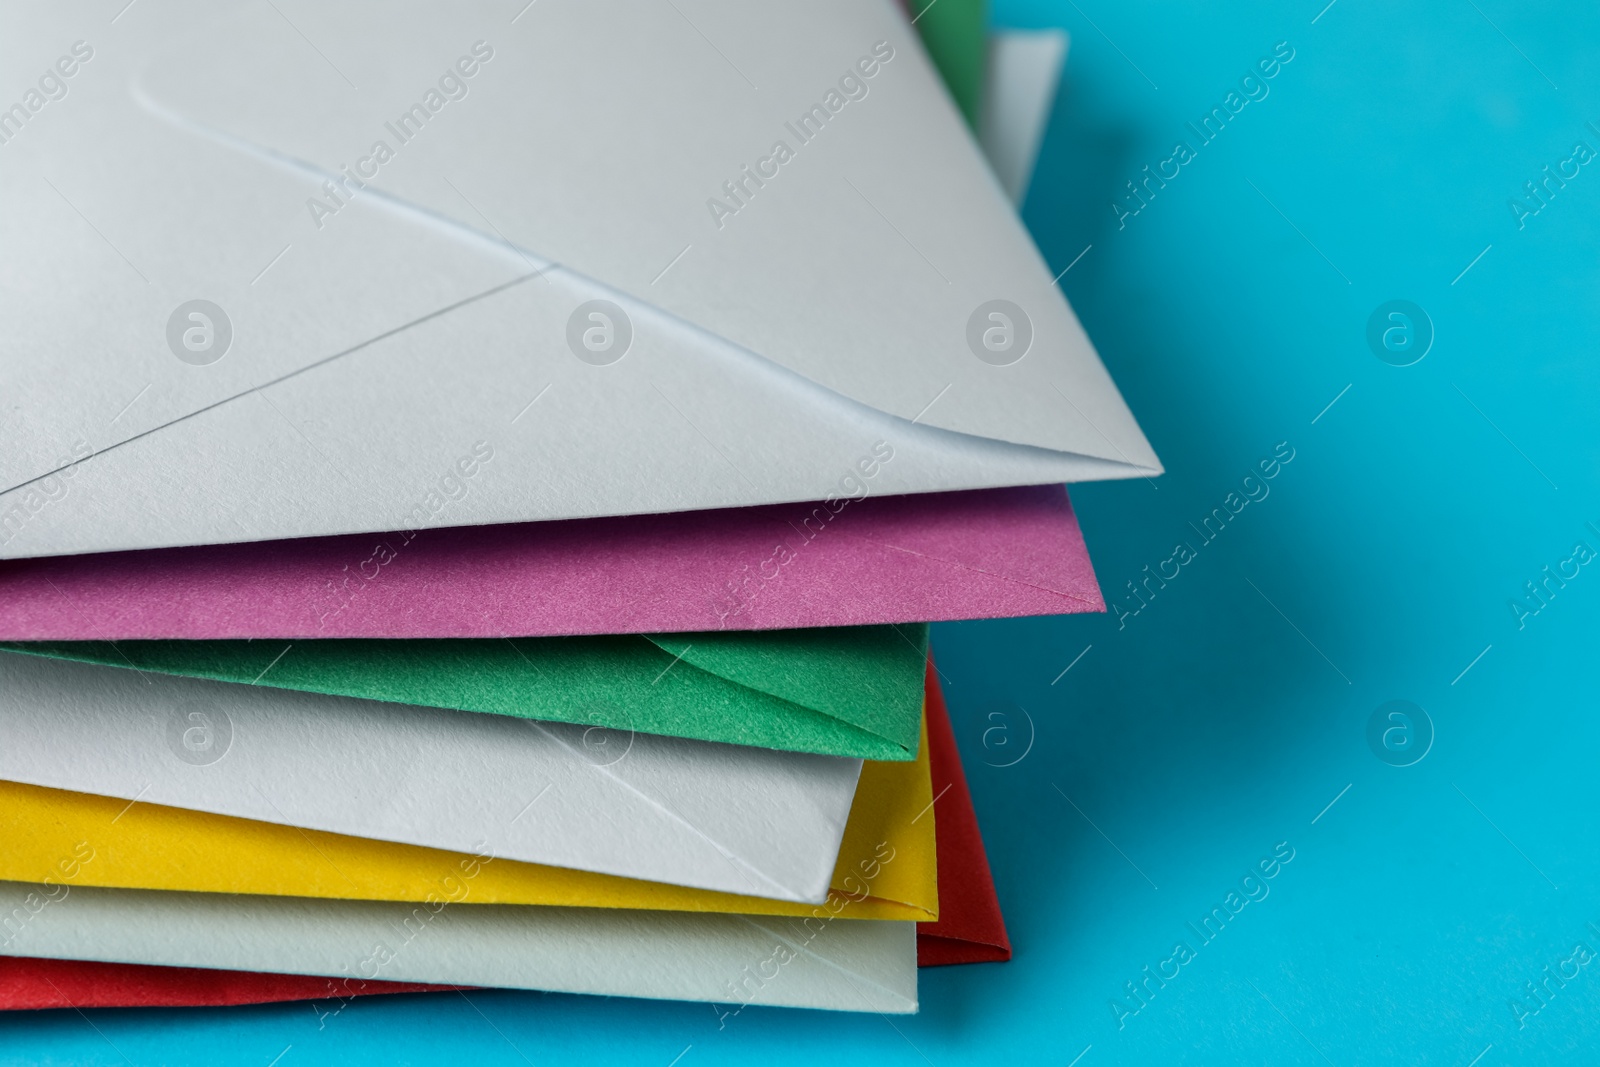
x=729, y=960
x=403, y=353
x=694, y=813
x=1019, y=88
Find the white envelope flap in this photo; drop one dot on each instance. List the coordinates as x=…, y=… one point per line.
x=117, y=221
x=731, y=960
x=381, y=345
x=725, y=817
x=600, y=136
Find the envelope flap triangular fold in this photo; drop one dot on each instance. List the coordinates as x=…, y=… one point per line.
x=658, y=809
x=840, y=671
x=771, y=689
x=738, y=168
x=398, y=275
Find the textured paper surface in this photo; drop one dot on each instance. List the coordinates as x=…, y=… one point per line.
x=732, y=959
x=959, y=936
x=31, y=984
x=853, y=691
x=48, y=832
x=724, y=817
x=409, y=337
x=931, y=557
x=970, y=928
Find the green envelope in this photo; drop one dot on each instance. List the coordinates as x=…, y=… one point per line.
x=841, y=691
x=956, y=35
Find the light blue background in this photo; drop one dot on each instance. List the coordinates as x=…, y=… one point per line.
x=1213, y=727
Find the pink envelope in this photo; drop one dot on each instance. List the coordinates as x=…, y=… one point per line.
x=991, y=553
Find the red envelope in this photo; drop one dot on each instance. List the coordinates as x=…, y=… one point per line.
x=969, y=930
x=32, y=983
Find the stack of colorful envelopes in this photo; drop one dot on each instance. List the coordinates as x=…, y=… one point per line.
x=540, y=602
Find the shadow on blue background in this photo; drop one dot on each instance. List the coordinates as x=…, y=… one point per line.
x=1229, y=717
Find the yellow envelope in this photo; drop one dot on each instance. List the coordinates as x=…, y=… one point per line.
x=885, y=868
